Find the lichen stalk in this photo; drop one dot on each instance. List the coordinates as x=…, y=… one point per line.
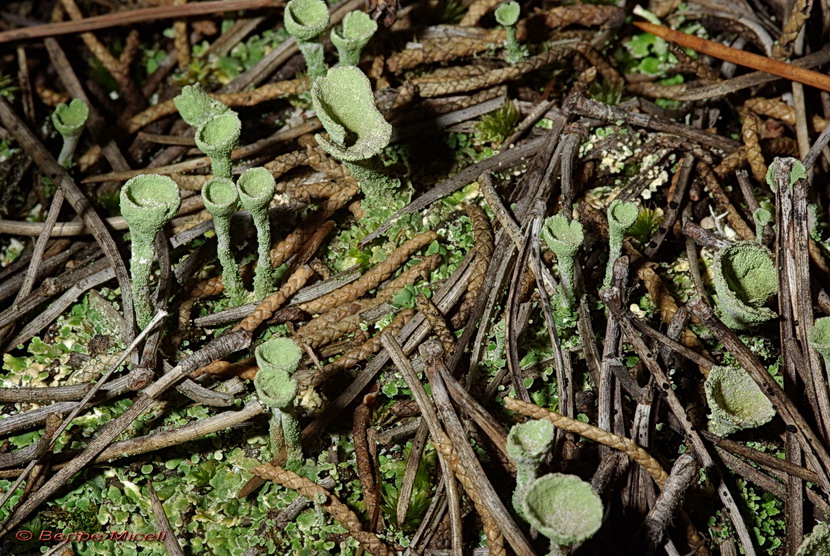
x=621, y=215
x=222, y=200
x=256, y=189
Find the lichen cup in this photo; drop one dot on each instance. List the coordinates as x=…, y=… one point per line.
x=277, y=359
x=745, y=277
x=305, y=20
x=221, y=201
x=736, y=401
x=527, y=445
x=216, y=138
x=621, y=215
x=358, y=29
x=148, y=202
x=70, y=120
x=564, y=508
x=256, y=190
x=564, y=239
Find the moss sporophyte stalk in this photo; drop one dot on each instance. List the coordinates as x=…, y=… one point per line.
x=70, y=120
x=306, y=20
x=256, y=189
x=356, y=32
x=148, y=202
x=278, y=360
x=221, y=201
x=735, y=400
x=745, y=278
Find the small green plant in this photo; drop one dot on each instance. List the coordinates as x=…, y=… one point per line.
x=358, y=29
x=527, y=445
x=256, y=190
x=221, y=201
x=507, y=15
x=817, y=543
x=564, y=239
x=70, y=120
x=736, y=401
x=306, y=20
x=745, y=277
x=277, y=360
x=621, y=215
x=357, y=131
x=498, y=125
x=148, y=202
x=217, y=127
x=646, y=225
x=564, y=508
x=762, y=218
x=788, y=166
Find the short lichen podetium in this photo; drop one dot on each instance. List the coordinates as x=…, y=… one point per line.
x=736, y=401
x=621, y=215
x=507, y=15
x=564, y=239
x=817, y=543
x=216, y=138
x=564, y=508
x=221, y=201
x=358, y=29
x=256, y=190
x=745, y=278
x=277, y=360
x=527, y=445
x=762, y=218
x=70, y=120
x=357, y=132
x=305, y=20
x=819, y=338
x=148, y=202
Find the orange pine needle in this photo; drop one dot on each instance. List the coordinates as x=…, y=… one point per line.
x=746, y=59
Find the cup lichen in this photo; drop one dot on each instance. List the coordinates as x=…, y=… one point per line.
x=216, y=138
x=278, y=359
x=507, y=15
x=817, y=543
x=564, y=508
x=358, y=29
x=736, y=401
x=527, y=445
x=148, y=202
x=564, y=239
x=762, y=218
x=196, y=107
x=221, y=201
x=256, y=190
x=621, y=215
x=305, y=20
x=745, y=278
x=69, y=120
x=819, y=338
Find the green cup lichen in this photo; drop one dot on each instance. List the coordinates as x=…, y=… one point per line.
x=819, y=338
x=196, y=107
x=817, y=543
x=621, y=215
x=527, y=445
x=148, y=202
x=358, y=29
x=564, y=508
x=221, y=201
x=305, y=20
x=70, y=120
x=256, y=190
x=736, y=401
x=216, y=138
x=507, y=15
x=762, y=218
x=564, y=239
x=745, y=278
x=357, y=131
x=277, y=360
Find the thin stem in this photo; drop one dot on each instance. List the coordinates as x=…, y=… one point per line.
x=68, y=149
x=221, y=166
x=141, y=260
x=263, y=279
x=230, y=270
x=314, y=58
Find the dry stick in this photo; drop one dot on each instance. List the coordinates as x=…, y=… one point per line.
x=171, y=543
x=673, y=210
x=35, y=149
x=612, y=301
x=683, y=473
x=365, y=470
x=337, y=509
x=624, y=445
x=413, y=334
x=513, y=328
x=130, y=17
x=221, y=347
x=815, y=150
x=740, y=57
x=44, y=394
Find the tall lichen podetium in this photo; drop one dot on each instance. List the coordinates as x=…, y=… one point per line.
x=762, y=218
x=217, y=127
x=564, y=508
x=357, y=132
x=148, y=202
x=221, y=201
x=70, y=120
x=621, y=215
x=305, y=20
x=527, y=445
x=745, y=278
x=507, y=15
x=256, y=190
x=735, y=400
x=358, y=29
x=564, y=239
x=278, y=360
